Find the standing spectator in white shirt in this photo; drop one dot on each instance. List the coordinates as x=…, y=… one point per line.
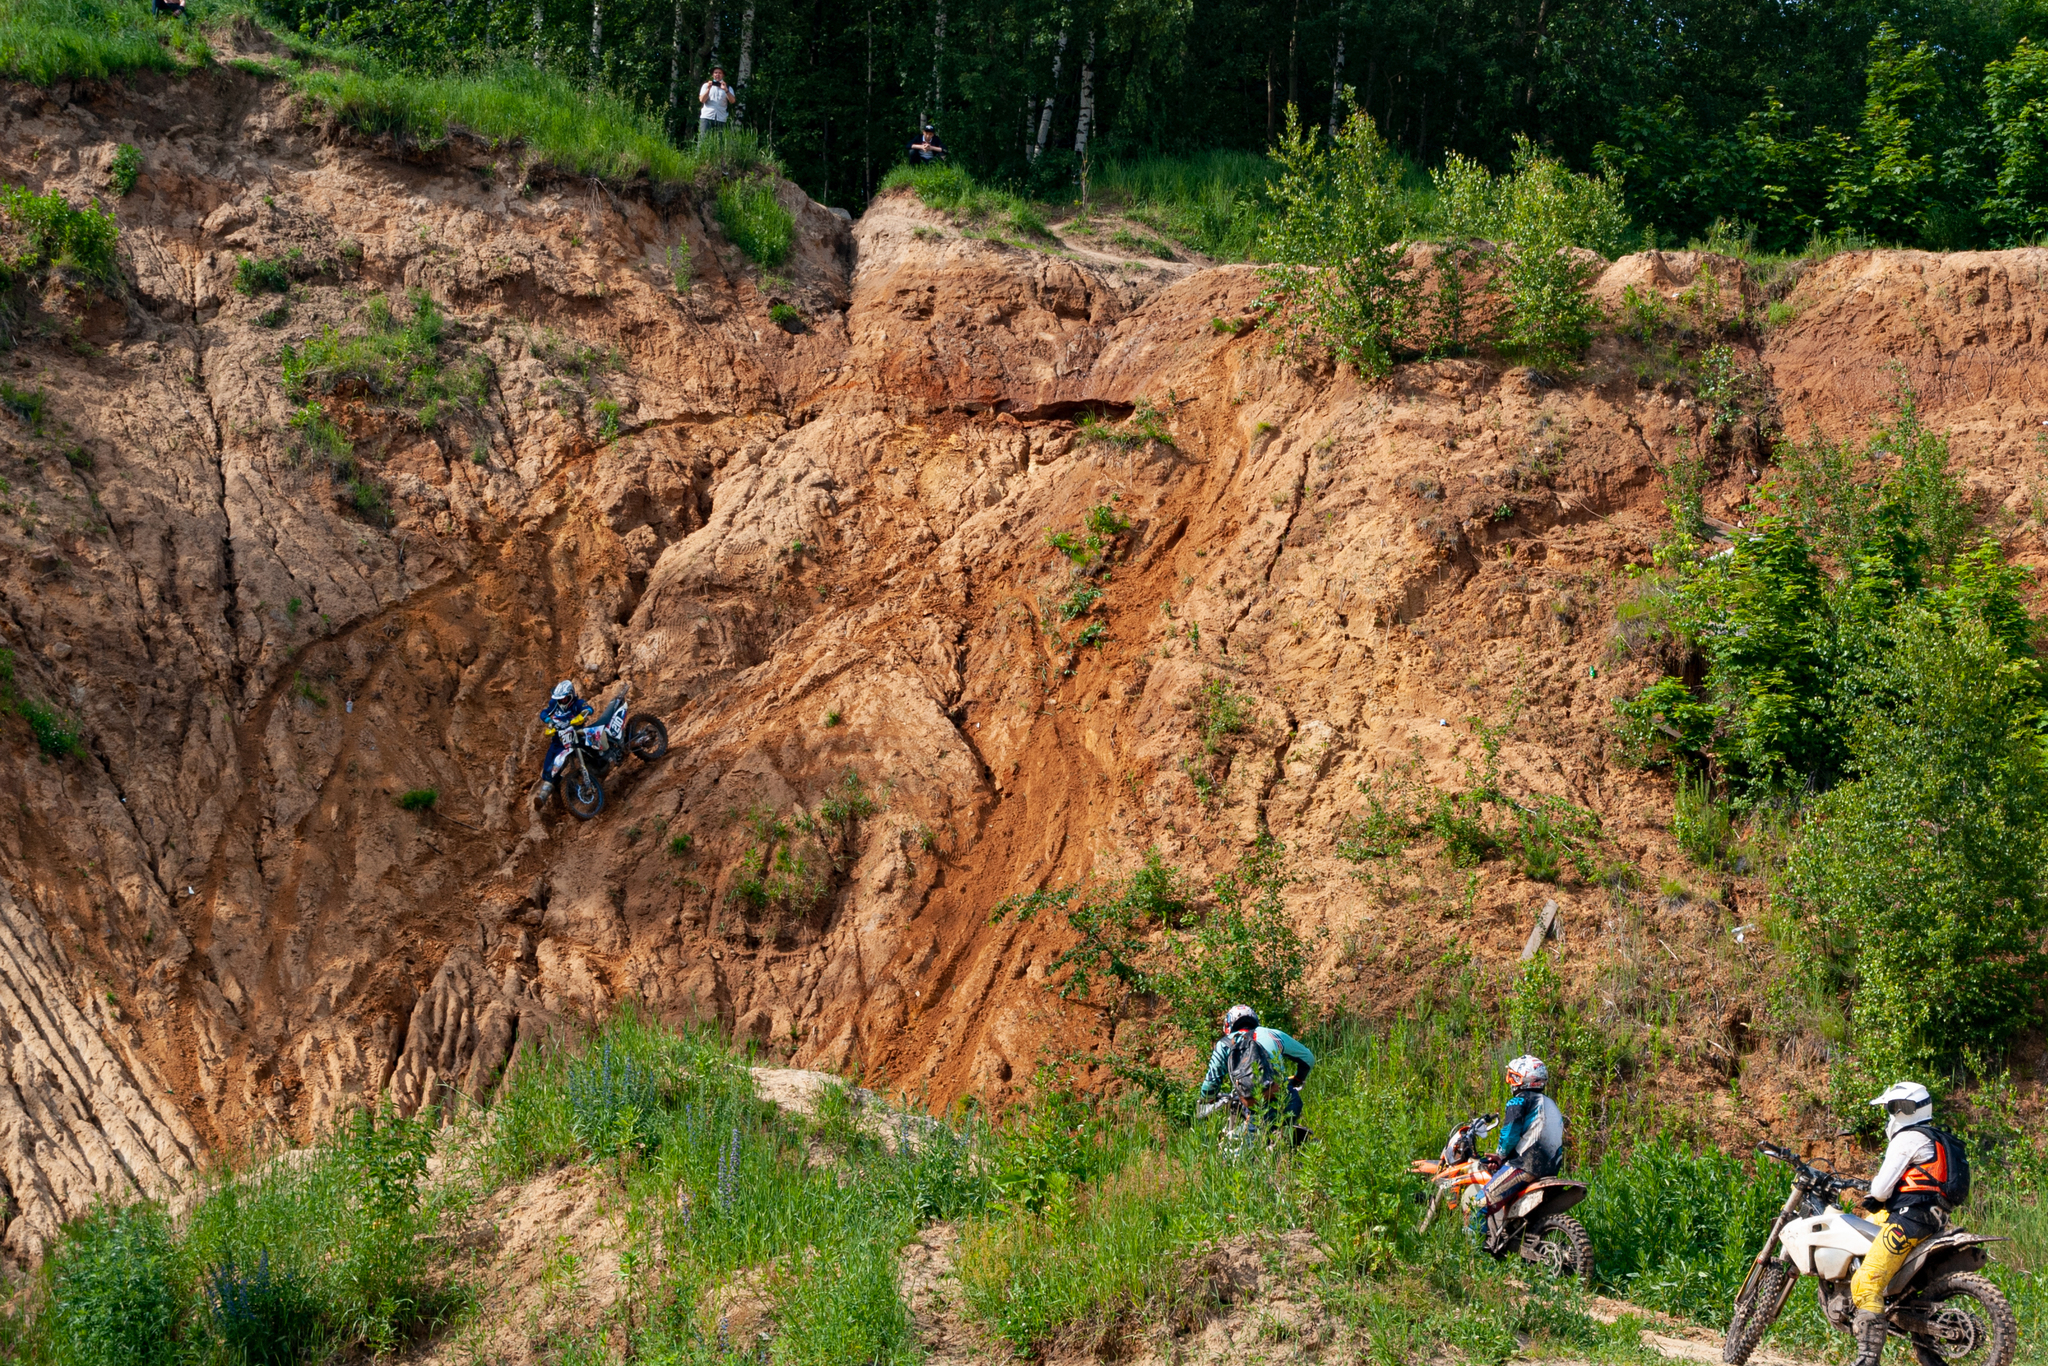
x=714, y=104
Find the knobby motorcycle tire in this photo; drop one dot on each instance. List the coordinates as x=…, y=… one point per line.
x=1755, y=1315
x=1996, y=1314
x=1575, y=1237
x=576, y=773
x=646, y=737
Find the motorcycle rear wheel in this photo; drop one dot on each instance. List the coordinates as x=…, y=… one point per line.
x=1755, y=1315
x=646, y=736
x=1560, y=1245
x=1974, y=1323
x=581, y=793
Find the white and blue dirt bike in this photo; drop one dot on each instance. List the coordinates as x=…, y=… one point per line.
x=590, y=752
x=1936, y=1301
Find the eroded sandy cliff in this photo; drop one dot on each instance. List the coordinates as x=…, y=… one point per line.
x=219, y=927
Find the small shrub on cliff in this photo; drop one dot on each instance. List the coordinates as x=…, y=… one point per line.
x=1337, y=279
x=755, y=221
x=391, y=358
x=1543, y=211
x=419, y=799
x=61, y=236
x=30, y=405
x=258, y=275
x=125, y=169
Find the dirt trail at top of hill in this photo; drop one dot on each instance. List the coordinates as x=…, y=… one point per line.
x=814, y=553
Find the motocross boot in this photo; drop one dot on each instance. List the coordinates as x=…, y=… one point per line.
x=543, y=792
x=1869, y=1330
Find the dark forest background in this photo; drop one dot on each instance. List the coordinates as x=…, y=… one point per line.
x=1914, y=123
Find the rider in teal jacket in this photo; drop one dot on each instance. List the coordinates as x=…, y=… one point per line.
x=1279, y=1045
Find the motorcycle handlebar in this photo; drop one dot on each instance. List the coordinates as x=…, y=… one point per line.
x=1826, y=1179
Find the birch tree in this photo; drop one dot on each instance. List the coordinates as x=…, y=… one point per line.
x=596, y=43
x=1087, y=119
x=1059, y=55
x=746, y=61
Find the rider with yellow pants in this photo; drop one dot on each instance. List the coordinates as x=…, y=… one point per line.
x=1907, y=1203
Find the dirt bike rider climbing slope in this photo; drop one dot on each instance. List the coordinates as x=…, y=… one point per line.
x=1276, y=1044
x=1532, y=1131
x=564, y=711
x=1909, y=1199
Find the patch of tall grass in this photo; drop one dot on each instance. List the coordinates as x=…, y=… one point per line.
x=718, y=1183
x=1212, y=202
x=582, y=132
x=309, y=1255
x=43, y=41
x=564, y=125
x=952, y=191
x=754, y=220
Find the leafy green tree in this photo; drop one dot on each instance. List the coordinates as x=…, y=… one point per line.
x=1795, y=621
x=1337, y=275
x=2016, y=102
x=1927, y=877
x=1885, y=188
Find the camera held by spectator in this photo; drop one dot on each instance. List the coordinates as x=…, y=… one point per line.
x=928, y=148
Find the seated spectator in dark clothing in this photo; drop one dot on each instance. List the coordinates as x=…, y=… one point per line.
x=167, y=9
x=927, y=149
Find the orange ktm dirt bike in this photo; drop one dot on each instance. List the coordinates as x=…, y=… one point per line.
x=591, y=752
x=1535, y=1226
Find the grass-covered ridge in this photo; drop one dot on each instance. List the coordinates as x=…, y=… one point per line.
x=564, y=126
x=43, y=41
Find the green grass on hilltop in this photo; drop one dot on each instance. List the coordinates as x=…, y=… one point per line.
x=1213, y=203
x=951, y=190
x=43, y=41
x=572, y=129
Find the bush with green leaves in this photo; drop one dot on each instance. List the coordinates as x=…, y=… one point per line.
x=1925, y=879
x=1795, y=620
x=2016, y=103
x=62, y=236
x=125, y=169
x=1151, y=934
x=261, y=275
x=1336, y=276
x=754, y=219
x=116, y=1290
x=1543, y=215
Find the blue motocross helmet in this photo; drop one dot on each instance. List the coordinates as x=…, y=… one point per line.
x=563, y=702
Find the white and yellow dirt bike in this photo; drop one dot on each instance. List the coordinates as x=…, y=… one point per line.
x=1536, y=1228
x=1936, y=1300
x=592, y=750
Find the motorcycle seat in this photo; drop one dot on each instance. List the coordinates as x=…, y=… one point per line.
x=1861, y=1225
x=611, y=709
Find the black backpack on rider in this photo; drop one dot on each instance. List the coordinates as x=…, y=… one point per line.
x=1254, y=1080
x=1950, y=1169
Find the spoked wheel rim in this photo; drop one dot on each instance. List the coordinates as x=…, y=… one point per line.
x=646, y=738
x=1956, y=1330
x=1552, y=1251
x=581, y=791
